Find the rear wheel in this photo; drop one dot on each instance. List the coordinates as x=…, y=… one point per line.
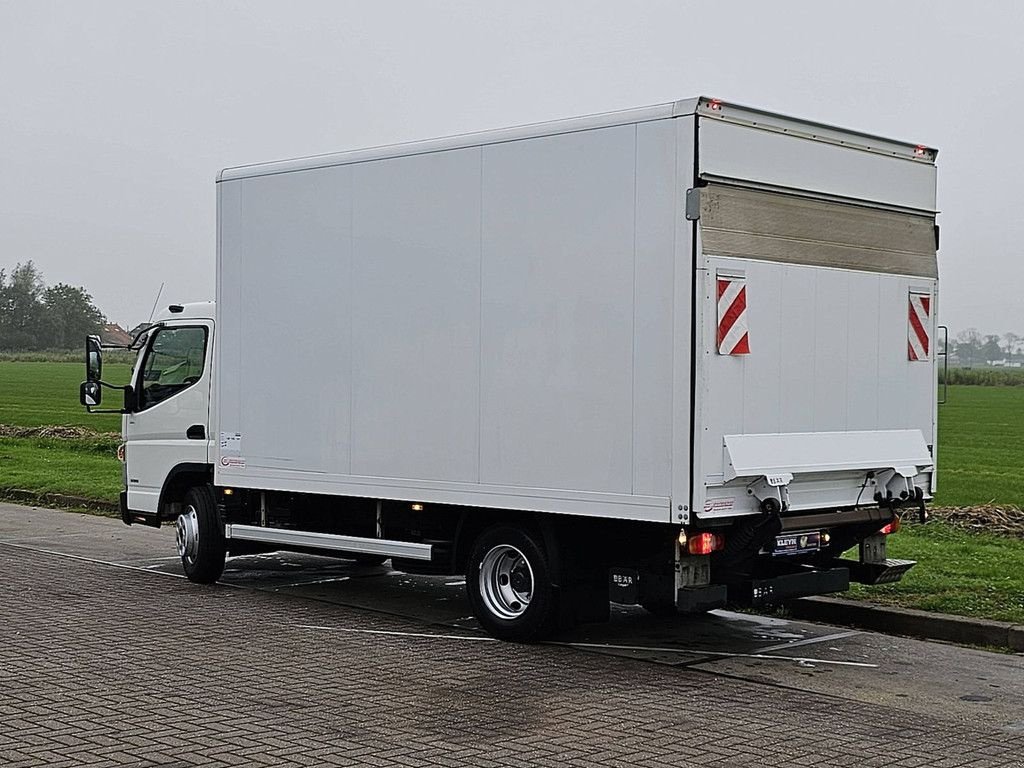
x=510, y=585
x=200, y=536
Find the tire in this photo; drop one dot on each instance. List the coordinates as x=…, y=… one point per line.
x=510, y=586
x=200, y=537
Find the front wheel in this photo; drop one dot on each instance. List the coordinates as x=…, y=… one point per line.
x=509, y=584
x=200, y=537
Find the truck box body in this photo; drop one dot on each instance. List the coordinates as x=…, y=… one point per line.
x=655, y=315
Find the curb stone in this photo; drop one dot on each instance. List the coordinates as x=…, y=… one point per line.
x=910, y=622
x=35, y=498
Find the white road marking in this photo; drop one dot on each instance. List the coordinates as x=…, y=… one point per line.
x=392, y=633
x=91, y=559
x=808, y=641
x=45, y=536
x=722, y=654
x=329, y=580
x=594, y=646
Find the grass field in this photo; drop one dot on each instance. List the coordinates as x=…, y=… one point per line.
x=89, y=469
x=981, y=446
x=45, y=394
x=966, y=573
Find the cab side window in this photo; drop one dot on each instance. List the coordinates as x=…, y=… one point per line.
x=174, y=362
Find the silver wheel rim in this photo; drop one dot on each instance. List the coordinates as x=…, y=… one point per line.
x=187, y=534
x=506, y=582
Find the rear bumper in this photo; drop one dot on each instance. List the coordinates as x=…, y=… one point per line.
x=768, y=592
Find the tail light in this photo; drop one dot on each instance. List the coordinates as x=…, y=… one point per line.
x=705, y=543
x=891, y=527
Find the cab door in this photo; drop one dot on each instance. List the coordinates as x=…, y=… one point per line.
x=169, y=422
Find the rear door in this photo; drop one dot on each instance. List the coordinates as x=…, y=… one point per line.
x=815, y=362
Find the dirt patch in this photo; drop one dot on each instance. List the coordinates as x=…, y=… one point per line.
x=1000, y=520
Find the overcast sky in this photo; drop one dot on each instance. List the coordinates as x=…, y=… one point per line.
x=116, y=116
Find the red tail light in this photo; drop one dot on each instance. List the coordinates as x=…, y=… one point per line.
x=889, y=528
x=705, y=543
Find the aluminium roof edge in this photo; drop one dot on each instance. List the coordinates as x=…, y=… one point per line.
x=463, y=141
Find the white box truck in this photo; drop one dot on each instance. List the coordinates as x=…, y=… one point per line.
x=680, y=356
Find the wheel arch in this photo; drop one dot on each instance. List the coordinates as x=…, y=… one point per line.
x=176, y=485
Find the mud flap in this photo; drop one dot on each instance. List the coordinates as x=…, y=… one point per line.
x=131, y=517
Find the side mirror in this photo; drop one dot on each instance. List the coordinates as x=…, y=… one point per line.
x=90, y=393
x=93, y=360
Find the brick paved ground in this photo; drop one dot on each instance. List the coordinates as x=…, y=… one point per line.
x=102, y=666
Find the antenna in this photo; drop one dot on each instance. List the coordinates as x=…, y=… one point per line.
x=155, y=302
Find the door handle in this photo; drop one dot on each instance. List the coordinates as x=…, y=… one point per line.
x=196, y=432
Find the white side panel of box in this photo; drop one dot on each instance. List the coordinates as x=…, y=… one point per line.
x=294, y=382
x=740, y=152
x=658, y=199
x=487, y=326
x=558, y=311
x=416, y=317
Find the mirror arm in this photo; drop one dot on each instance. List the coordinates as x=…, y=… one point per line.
x=126, y=389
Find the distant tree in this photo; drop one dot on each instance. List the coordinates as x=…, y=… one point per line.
x=20, y=307
x=990, y=349
x=69, y=316
x=1011, y=343
x=34, y=317
x=968, y=347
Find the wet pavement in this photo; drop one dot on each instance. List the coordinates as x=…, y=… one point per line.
x=100, y=635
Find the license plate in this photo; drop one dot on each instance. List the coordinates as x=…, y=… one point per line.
x=797, y=543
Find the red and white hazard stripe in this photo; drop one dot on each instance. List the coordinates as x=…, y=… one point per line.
x=918, y=334
x=733, y=334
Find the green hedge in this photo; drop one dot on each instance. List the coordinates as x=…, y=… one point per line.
x=67, y=356
x=985, y=377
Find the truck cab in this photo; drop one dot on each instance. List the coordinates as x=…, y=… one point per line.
x=166, y=414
